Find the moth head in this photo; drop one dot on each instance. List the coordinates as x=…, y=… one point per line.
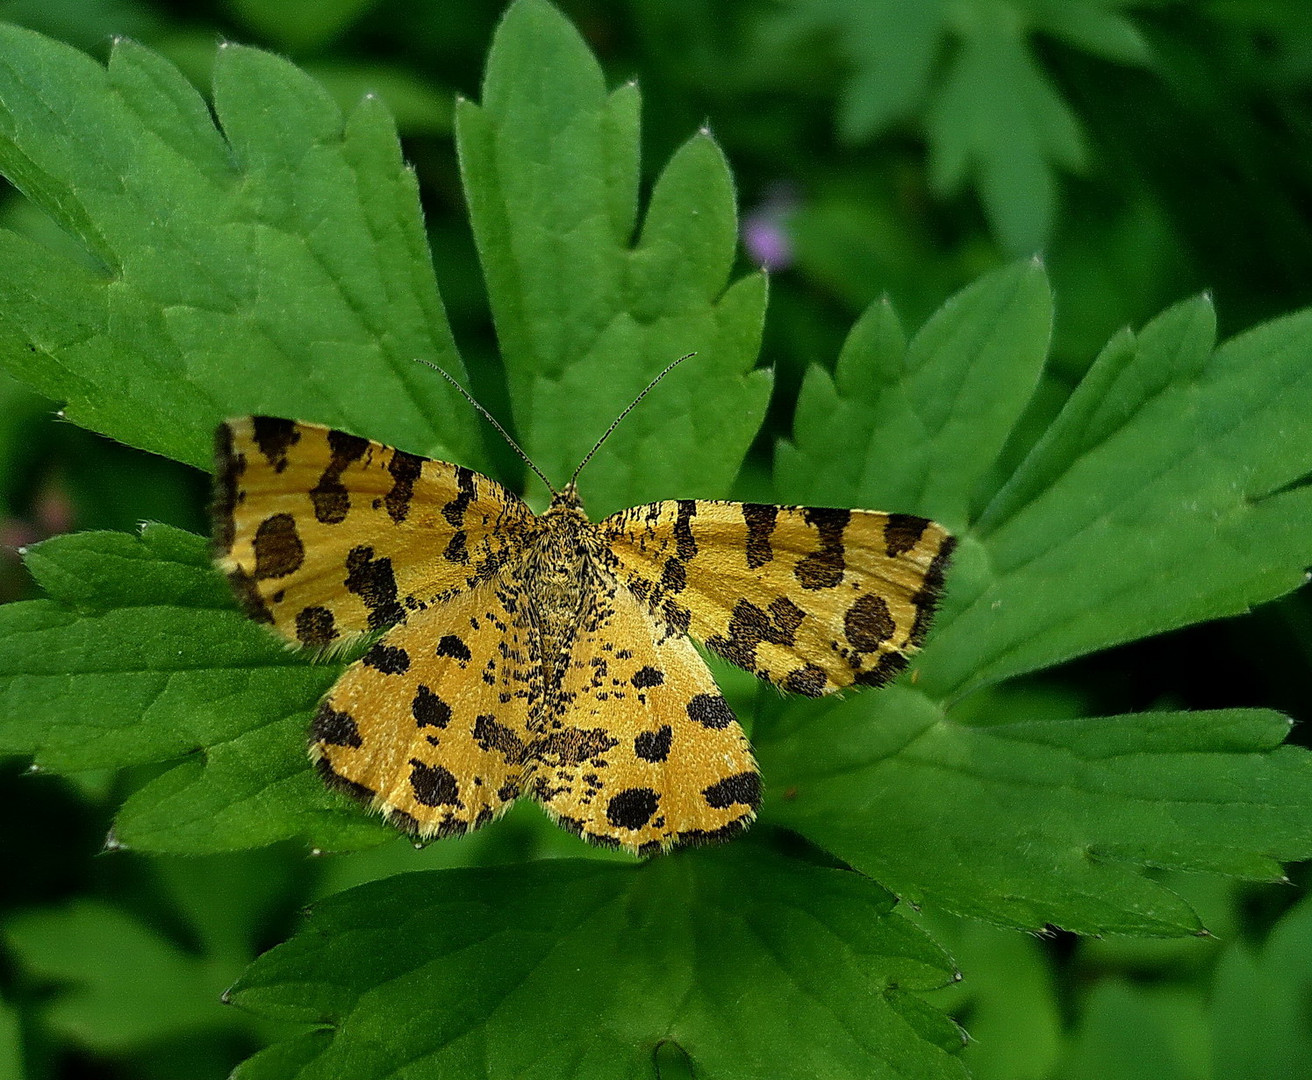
x=568, y=498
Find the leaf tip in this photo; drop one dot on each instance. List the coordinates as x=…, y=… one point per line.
x=113, y=843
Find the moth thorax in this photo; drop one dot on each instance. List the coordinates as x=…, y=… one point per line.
x=562, y=567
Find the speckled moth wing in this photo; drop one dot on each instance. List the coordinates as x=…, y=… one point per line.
x=325, y=534
x=811, y=599
x=646, y=753
x=431, y=727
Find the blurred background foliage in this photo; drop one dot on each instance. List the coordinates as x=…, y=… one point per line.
x=1147, y=149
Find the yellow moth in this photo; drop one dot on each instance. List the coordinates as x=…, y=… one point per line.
x=547, y=655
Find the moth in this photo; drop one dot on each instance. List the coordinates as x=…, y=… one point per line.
x=546, y=655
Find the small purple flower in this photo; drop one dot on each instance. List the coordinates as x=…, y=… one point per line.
x=765, y=229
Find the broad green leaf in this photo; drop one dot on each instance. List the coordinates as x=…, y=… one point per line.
x=1040, y=822
x=124, y=984
x=577, y=969
x=138, y=656
x=1125, y=518
x=418, y=106
x=968, y=71
x=88, y=24
x=997, y=119
x=1097, y=28
x=275, y=263
x=919, y=426
x=1171, y=491
x=1259, y=1002
x=589, y=304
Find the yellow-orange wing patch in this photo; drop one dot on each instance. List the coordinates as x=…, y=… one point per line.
x=324, y=534
x=431, y=726
x=643, y=753
x=809, y=598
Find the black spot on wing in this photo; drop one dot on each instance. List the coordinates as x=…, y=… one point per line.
x=749, y=625
x=927, y=597
x=809, y=680
x=457, y=550
x=760, y=519
x=653, y=746
x=329, y=496
x=275, y=436
x=685, y=542
x=388, y=659
x=315, y=626
x=710, y=710
x=497, y=738
x=823, y=568
x=868, y=623
x=454, y=511
x=335, y=727
x=433, y=785
x=373, y=581
x=278, y=548
x=405, y=469
x=902, y=532
x=452, y=646
x=429, y=710
x=674, y=578
x=741, y=789
x=647, y=676
x=228, y=469
x=889, y=666
x=632, y=808
x=248, y=596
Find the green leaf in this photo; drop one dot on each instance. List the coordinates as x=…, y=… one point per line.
x=927, y=419
x=574, y=969
x=586, y=311
x=128, y=986
x=276, y=263
x=417, y=104
x=139, y=656
x=997, y=118
x=1169, y=489
x=1093, y=28
x=1040, y=822
x=1168, y=492
x=1259, y=1003
x=123, y=985
x=969, y=73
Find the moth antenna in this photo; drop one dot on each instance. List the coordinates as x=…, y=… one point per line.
x=633, y=405
x=493, y=420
